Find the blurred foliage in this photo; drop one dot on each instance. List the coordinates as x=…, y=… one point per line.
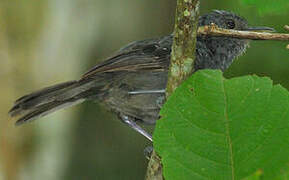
x=268, y=6
x=46, y=42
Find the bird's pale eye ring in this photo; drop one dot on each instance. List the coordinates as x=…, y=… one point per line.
x=230, y=24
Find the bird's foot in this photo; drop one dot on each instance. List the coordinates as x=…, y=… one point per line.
x=131, y=123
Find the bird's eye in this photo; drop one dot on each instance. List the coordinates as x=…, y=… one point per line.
x=230, y=24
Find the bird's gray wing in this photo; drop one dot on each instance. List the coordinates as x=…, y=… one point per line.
x=150, y=55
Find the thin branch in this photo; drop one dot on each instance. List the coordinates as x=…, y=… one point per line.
x=182, y=62
x=184, y=44
x=213, y=30
x=155, y=169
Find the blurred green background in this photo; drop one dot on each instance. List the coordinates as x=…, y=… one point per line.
x=50, y=41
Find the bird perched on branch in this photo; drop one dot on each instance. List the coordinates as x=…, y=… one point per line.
x=132, y=83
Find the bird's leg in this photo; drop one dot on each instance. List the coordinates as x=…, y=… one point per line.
x=160, y=101
x=131, y=123
x=158, y=91
x=148, y=152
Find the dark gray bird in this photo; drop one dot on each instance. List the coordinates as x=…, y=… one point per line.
x=132, y=82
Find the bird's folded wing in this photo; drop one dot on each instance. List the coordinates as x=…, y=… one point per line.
x=152, y=55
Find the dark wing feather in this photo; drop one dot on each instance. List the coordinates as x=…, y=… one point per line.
x=150, y=55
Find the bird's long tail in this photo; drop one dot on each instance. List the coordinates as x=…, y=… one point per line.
x=50, y=99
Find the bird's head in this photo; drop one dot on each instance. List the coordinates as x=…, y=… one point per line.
x=229, y=20
x=219, y=52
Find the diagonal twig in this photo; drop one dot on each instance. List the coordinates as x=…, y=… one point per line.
x=214, y=30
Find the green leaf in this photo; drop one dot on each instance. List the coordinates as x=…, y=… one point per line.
x=268, y=6
x=217, y=128
x=284, y=174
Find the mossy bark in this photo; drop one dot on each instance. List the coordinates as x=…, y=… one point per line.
x=184, y=44
x=182, y=62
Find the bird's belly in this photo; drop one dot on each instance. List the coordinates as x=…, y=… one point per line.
x=138, y=95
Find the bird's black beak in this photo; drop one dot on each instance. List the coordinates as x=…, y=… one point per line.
x=260, y=29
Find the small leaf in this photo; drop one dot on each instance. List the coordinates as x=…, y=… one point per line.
x=215, y=128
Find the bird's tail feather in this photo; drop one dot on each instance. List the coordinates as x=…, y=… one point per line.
x=50, y=99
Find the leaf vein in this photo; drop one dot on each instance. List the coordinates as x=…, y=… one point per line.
x=185, y=147
x=228, y=131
